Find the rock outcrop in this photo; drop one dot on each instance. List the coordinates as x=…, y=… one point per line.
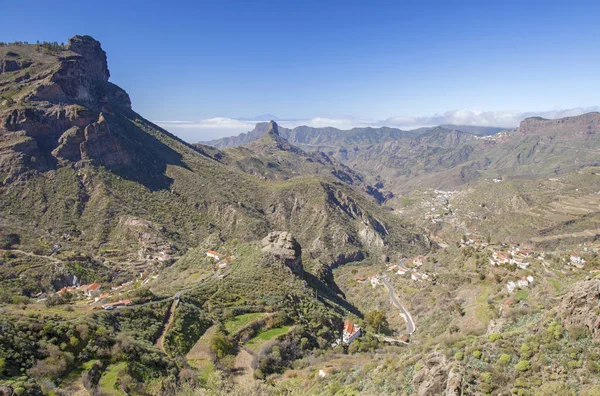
x=562, y=128
x=434, y=377
x=60, y=114
x=580, y=306
x=6, y=390
x=283, y=246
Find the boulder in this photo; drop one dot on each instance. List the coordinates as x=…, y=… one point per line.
x=580, y=306
x=6, y=390
x=283, y=246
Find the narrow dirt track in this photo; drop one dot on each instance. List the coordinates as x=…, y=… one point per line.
x=161, y=340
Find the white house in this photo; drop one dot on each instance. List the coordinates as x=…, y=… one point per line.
x=522, y=283
x=401, y=271
x=163, y=256
x=530, y=279
x=323, y=373
x=213, y=254
x=520, y=263
x=374, y=280
x=414, y=276
x=576, y=260
x=511, y=286
x=351, y=331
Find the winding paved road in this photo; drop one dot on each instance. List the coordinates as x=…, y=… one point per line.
x=410, y=323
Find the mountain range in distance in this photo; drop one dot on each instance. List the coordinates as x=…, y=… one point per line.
x=448, y=156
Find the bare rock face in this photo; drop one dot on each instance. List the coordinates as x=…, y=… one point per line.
x=454, y=384
x=62, y=114
x=580, y=306
x=284, y=246
x=94, y=58
x=437, y=377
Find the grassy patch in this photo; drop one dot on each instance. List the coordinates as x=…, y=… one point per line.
x=482, y=307
x=405, y=201
x=204, y=371
x=108, y=381
x=265, y=336
x=237, y=323
x=555, y=283
x=521, y=295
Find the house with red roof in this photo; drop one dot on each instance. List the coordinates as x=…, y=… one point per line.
x=351, y=331
x=213, y=254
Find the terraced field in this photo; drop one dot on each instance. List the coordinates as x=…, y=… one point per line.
x=256, y=343
x=200, y=355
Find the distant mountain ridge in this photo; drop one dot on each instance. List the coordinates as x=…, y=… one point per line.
x=330, y=136
x=449, y=155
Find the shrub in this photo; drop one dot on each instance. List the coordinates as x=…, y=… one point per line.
x=220, y=345
x=554, y=331
x=526, y=352
x=523, y=366
x=458, y=356
x=495, y=337
x=577, y=332
x=486, y=377
x=477, y=354
x=504, y=359
x=573, y=364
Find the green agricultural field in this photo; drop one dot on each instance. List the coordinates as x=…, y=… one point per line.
x=268, y=335
x=237, y=323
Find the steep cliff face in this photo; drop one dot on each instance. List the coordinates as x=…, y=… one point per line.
x=58, y=112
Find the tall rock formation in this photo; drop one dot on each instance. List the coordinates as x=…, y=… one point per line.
x=283, y=246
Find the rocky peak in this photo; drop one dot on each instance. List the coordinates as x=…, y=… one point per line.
x=272, y=128
x=271, y=141
x=93, y=56
x=284, y=246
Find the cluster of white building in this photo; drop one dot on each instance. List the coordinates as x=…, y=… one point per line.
x=514, y=256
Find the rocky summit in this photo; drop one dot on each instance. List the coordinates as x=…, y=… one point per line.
x=57, y=110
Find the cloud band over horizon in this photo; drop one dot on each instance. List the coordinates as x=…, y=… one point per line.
x=218, y=127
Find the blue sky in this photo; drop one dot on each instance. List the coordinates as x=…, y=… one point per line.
x=342, y=63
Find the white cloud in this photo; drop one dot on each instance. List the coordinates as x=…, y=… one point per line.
x=208, y=129
x=214, y=128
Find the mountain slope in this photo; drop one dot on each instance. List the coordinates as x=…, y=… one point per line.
x=82, y=170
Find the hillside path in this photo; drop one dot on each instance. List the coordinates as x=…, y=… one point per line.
x=160, y=343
